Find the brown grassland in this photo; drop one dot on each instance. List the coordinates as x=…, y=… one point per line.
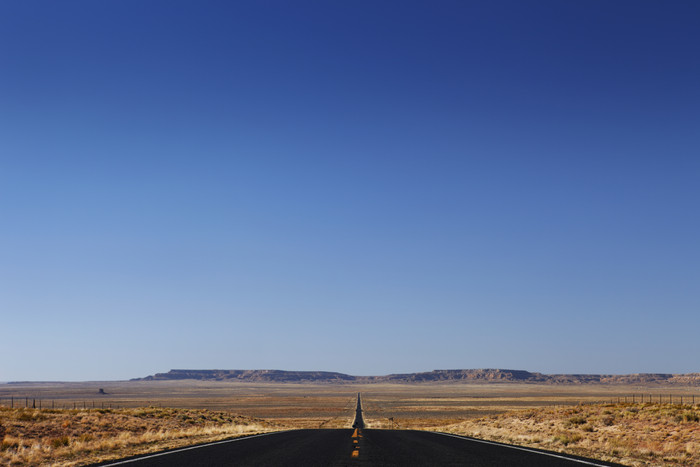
x=78, y=437
x=76, y=425
x=630, y=434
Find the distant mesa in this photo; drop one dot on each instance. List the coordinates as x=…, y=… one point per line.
x=267, y=376
x=472, y=376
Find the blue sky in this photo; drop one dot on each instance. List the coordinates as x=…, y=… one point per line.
x=364, y=187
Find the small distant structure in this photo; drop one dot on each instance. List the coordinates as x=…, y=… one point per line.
x=101, y=392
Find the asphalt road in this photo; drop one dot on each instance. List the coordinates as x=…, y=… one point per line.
x=359, y=421
x=335, y=448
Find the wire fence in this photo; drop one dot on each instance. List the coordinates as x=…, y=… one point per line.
x=32, y=402
x=14, y=402
x=687, y=399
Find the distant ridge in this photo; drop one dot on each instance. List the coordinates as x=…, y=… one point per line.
x=480, y=375
x=279, y=376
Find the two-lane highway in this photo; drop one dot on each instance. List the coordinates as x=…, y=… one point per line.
x=378, y=448
x=358, y=447
x=359, y=421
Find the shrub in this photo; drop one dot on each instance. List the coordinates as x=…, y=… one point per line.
x=5, y=445
x=59, y=442
x=30, y=415
x=576, y=421
x=566, y=439
x=608, y=421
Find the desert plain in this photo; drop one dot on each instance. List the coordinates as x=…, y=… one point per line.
x=70, y=424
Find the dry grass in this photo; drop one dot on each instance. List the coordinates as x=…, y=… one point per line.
x=630, y=434
x=79, y=437
x=641, y=434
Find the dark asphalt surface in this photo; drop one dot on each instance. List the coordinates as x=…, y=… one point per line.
x=334, y=448
x=359, y=421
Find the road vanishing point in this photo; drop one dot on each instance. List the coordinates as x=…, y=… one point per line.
x=356, y=446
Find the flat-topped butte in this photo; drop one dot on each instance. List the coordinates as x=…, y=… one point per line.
x=474, y=375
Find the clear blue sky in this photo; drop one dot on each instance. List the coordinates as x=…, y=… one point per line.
x=358, y=186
